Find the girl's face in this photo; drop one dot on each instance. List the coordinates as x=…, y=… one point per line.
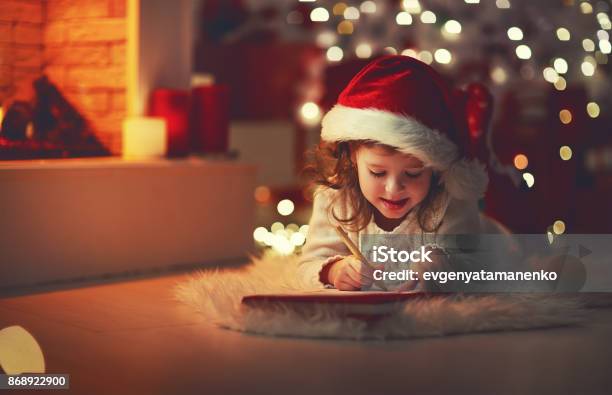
x=391, y=181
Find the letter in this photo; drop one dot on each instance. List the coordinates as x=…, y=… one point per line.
x=392, y=251
x=425, y=255
x=403, y=256
x=377, y=275
x=383, y=251
x=413, y=257
x=374, y=257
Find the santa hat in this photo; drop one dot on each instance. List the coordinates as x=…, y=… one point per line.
x=404, y=103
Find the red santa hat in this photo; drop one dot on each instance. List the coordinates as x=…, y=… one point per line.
x=404, y=103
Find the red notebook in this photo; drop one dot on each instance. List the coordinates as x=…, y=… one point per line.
x=353, y=303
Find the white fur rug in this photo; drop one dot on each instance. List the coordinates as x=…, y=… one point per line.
x=217, y=294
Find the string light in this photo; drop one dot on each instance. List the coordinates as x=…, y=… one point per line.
x=410, y=52
x=326, y=39
x=472, y=1
x=311, y=113
x=351, y=13
x=502, y=4
x=515, y=33
x=563, y=34
x=403, y=18
x=339, y=8
x=319, y=14
x=285, y=207
x=443, y=56
x=521, y=162
x=586, y=8
x=605, y=47
x=345, y=27
x=262, y=194
x=390, y=50
x=334, y=54
x=498, y=75
x=565, y=152
x=560, y=65
x=603, y=35
x=565, y=116
x=411, y=6
x=560, y=84
x=452, y=27
x=363, y=51
x=550, y=75
x=559, y=227
x=368, y=7
x=425, y=57
x=260, y=233
x=523, y=52
x=428, y=17
x=529, y=179
x=276, y=226
x=588, y=45
x=587, y=67
x=592, y=109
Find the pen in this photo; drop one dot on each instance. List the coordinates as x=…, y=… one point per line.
x=355, y=251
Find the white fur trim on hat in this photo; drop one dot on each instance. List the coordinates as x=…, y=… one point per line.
x=463, y=179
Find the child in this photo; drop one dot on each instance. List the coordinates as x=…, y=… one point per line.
x=393, y=160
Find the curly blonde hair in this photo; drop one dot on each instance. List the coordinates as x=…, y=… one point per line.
x=331, y=166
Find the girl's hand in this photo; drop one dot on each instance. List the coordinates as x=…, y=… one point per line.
x=350, y=274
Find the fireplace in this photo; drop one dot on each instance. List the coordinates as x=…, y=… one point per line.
x=76, y=53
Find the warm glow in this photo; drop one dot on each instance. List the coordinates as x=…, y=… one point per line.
x=565, y=116
x=425, y=57
x=529, y=179
x=593, y=109
x=586, y=8
x=550, y=75
x=498, y=75
x=587, y=68
x=563, y=34
x=351, y=13
x=260, y=233
x=605, y=47
x=452, y=27
x=443, y=56
x=428, y=17
x=503, y=4
x=560, y=65
x=310, y=112
x=390, y=50
x=412, y=6
x=515, y=33
x=345, y=27
x=319, y=14
x=326, y=39
x=560, y=84
x=339, y=8
x=588, y=45
x=368, y=7
x=472, y=1
x=285, y=207
x=297, y=239
x=521, y=162
x=363, y=51
x=523, y=52
x=403, y=18
x=144, y=137
x=565, y=152
x=276, y=227
x=1, y=114
x=262, y=194
x=334, y=54
x=559, y=227
x=410, y=52
x=304, y=229
x=20, y=352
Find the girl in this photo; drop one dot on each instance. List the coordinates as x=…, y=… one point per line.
x=394, y=160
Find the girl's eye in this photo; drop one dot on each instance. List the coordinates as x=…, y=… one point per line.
x=414, y=175
x=382, y=173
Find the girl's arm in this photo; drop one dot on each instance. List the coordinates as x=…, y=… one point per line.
x=323, y=245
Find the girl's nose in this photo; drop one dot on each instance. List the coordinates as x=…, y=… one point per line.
x=393, y=185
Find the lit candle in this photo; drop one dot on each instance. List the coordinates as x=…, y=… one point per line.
x=144, y=137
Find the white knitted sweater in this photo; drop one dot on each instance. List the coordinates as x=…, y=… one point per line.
x=324, y=246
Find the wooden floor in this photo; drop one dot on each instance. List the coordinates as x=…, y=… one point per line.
x=133, y=338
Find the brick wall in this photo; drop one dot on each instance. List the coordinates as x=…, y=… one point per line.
x=80, y=45
x=21, y=47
